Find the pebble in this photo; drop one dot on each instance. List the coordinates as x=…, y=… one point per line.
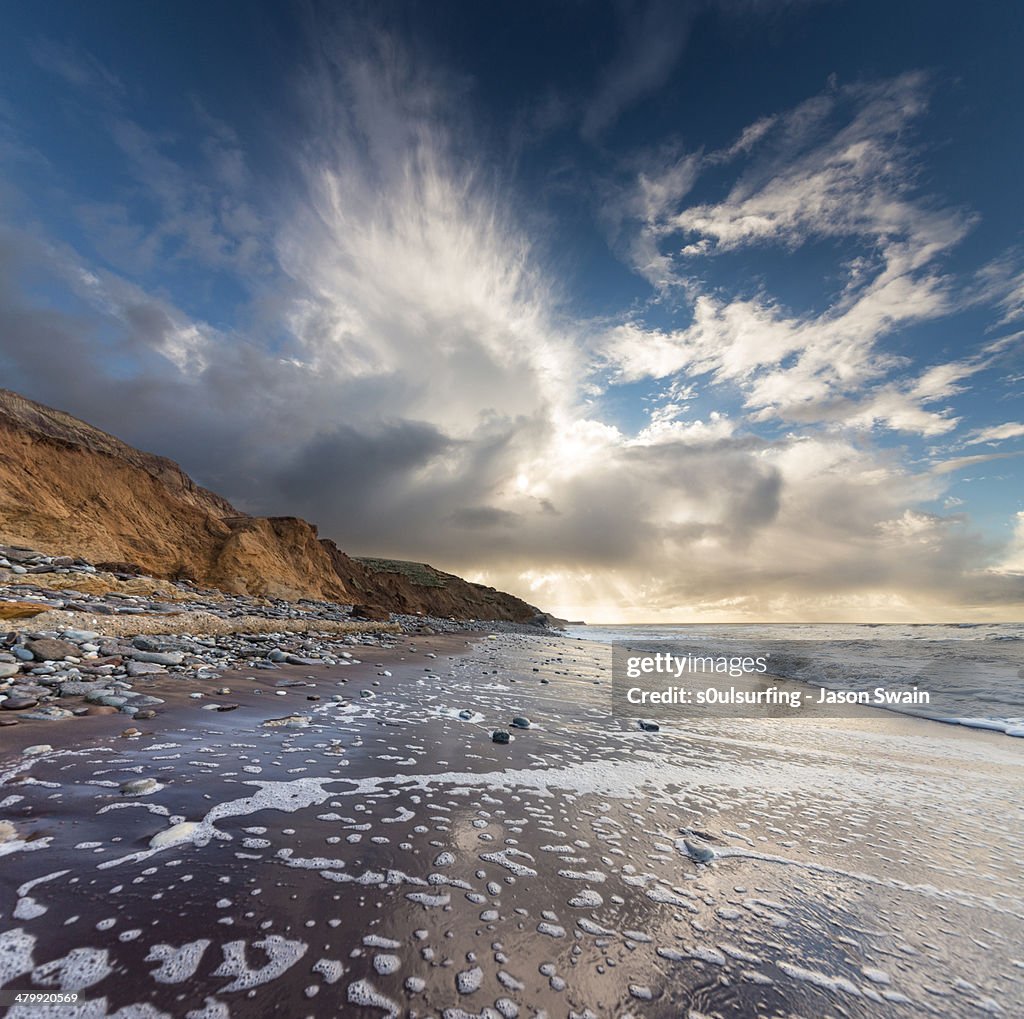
x=139, y=787
x=92, y=673
x=702, y=854
x=501, y=736
x=18, y=703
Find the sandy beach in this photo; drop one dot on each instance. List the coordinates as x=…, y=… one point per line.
x=385, y=857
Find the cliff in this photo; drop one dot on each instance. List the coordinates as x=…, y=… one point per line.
x=401, y=586
x=67, y=488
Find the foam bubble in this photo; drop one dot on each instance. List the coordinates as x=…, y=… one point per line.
x=364, y=994
x=281, y=952
x=177, y=964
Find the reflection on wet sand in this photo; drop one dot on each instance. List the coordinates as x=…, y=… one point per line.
x=384, y=856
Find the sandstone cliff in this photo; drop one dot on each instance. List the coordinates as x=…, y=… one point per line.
x=67, y=488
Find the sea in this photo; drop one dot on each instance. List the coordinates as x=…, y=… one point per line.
x=974, y=672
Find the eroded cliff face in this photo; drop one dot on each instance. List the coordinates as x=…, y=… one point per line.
x=67, y=488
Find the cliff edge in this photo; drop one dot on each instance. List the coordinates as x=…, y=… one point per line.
x=67, y=488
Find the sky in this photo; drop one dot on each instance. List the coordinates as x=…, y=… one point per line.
x=644, y=311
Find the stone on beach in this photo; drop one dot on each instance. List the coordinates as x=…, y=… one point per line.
x=135, y=669
x=159, y=657
x=20, y=609
x=174, y=836
x=18, y=703
x=139, y=787
x=48, y=649
x=702, y=854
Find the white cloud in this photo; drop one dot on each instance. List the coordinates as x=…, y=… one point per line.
x=414, y=385
x=837, y=167
x=995, y=433
x=1014, y=561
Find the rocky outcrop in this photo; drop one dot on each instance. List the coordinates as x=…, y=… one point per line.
x=67, y=488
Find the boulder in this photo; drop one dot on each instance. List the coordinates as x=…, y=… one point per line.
x=20, y=609
x=48, y=649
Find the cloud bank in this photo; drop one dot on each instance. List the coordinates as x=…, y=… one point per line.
x=405, y=370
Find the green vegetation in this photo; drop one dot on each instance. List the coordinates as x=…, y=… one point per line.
x=419, y=574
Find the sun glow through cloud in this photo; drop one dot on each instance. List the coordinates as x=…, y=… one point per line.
x=577, y=348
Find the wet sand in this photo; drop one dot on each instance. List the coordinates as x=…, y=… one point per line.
x=388, y=858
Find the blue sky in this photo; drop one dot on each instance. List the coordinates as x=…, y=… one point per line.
x=644, y=311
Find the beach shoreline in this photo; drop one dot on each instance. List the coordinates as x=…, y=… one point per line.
x=386, y=857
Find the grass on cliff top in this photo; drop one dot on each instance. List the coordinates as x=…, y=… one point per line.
x=419, y=574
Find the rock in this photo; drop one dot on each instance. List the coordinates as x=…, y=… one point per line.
x=47, y=649
x=145, y=713
x=501, y=736
x=20, y=609
x=702, y=854
x=139, y=787
x=291, y=721
x=109, y=700
x=8, y=833
x=129, y=733
x=8, y=669
x=79, y=689
x=649, y=726
x=80, y=636
x=521, y=722
x=174, y=836
x=144, y=669
x=296, y=660
x=8, y=720
x=37, y=749
x=95, y=696
x=22, y=654
x=465, y=714
x=144, y=700
x=18, y=703
x=159, y=657
x=226, y=707
x=47, y=714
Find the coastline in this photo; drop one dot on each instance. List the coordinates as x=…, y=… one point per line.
x=406, y=865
